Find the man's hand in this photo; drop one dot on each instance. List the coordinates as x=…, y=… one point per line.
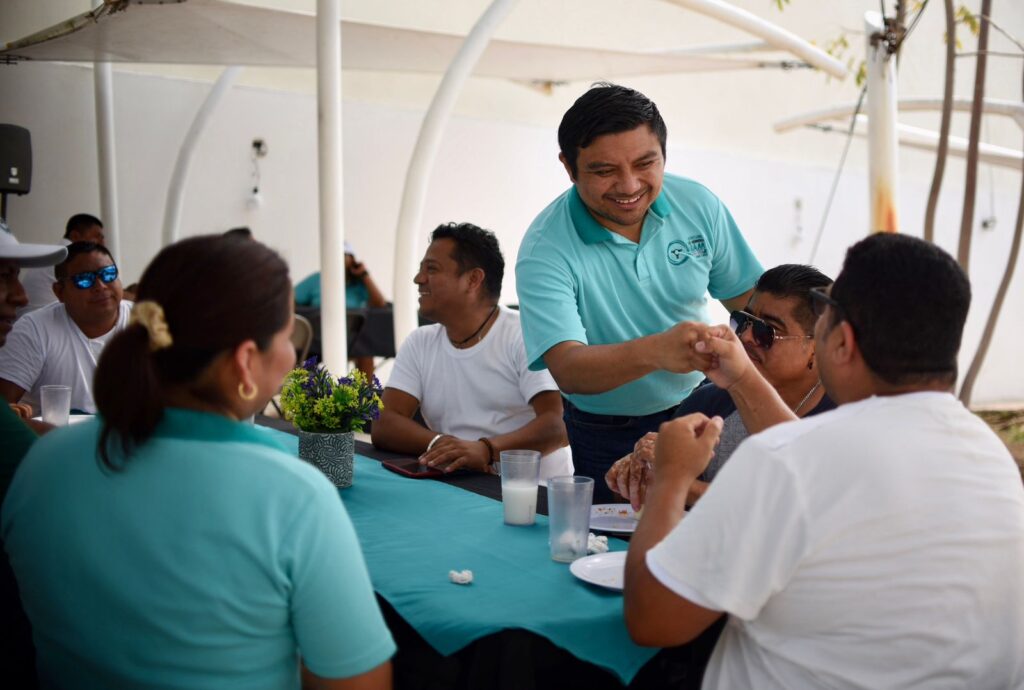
x=728, y=360
x=22, y=410
x=630, y=475
x=450, y=454
x=685, y=446
x=676, y=350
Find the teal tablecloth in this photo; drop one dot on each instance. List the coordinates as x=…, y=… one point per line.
x=414, y=531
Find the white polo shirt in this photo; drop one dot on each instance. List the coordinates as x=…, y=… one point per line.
x=46, y=347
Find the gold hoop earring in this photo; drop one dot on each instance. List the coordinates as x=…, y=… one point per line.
x=247, y=395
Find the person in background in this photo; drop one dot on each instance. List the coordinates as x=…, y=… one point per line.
x=239, y=233
x=194, y=552
x=61, y=343
x=467, y=372
x=38, y=282
x=360, y=293
x=16, y=436
x=776, y=329
x=879, y=545
x=613, y=277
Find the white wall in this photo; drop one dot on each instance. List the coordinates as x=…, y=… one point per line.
x=498, y=164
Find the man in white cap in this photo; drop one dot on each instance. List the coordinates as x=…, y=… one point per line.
x=13, y=257
x=16, y=655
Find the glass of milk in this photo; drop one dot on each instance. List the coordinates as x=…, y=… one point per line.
x=519, y=472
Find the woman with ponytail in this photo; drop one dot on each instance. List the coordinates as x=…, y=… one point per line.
x=168, y=544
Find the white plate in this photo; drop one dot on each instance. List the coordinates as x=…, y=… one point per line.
x=613, y=517
x=606, y=570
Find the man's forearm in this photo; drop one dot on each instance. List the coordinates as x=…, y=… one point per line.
x=400, y=434
x=545, y=433
x=759, y=403
x=589, y=369
x=11, y=392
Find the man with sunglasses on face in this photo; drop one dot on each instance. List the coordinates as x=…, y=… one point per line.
x=776, y=328
x=879, y=545
x=61, y=343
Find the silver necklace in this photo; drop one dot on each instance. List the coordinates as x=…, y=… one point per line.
x=807, y=397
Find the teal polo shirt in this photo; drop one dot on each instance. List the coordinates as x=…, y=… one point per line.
x=307, y=293
x=212, y=560
x=578, y=281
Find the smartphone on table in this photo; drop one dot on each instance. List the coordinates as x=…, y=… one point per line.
x=411, y=467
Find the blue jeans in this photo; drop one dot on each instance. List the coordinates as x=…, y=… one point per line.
x=598, y=440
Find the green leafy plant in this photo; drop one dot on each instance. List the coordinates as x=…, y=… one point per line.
x=313, y=401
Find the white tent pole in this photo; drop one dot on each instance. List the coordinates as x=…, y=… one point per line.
x=333, y=323
x=407, y=249
x=883, y=147
x=927, y=140
x=775, y=35
x=176, y=187
x=990, y=106
x=106, y=154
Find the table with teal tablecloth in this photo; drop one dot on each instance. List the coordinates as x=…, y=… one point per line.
x=413, y=532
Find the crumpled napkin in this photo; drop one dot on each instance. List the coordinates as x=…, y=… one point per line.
x=462, y=577
x=597, y=544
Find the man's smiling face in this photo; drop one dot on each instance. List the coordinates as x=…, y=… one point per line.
x=619, y=177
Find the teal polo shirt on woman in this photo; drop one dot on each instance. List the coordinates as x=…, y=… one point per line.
x=578, y=281
x=213, y=559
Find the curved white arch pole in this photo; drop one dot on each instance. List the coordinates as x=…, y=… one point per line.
x=176, y=188
x=407, y=249
x=927, y=140
x=775, y=35
x=990, y=106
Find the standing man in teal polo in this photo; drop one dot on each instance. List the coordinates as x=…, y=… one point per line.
x=613, y=278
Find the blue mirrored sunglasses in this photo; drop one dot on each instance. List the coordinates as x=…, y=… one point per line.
x=86, y=279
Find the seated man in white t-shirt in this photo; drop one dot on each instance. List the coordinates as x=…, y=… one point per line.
x=467, y=374
x=61, y=342
x=879, y=545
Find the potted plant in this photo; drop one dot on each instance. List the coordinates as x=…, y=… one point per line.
x=327, y=413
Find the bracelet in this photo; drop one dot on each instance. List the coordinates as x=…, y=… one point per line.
x=491, y=455
x=432, y=442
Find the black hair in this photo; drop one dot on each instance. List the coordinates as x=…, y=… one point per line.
x=475, y=248
x=795, y=280
x=907, y=301
x=216, y=293
x=606, y=109
x=80, y=222
x=241, y=233
x=60, y=271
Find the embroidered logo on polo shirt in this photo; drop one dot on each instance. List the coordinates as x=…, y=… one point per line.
x=679, y=252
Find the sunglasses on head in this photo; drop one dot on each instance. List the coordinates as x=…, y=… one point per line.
x=761, y=331
x=86, y=279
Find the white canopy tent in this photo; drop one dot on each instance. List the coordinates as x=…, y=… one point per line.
x=227, y=33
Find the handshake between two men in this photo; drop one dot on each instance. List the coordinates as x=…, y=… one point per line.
x=737, y=370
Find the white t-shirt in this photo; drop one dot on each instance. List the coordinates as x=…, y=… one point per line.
x=484, y=390
x=880, y=545
x=46, y=347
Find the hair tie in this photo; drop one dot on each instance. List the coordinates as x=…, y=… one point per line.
x=150, y=316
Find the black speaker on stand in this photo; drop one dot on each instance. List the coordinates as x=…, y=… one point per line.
x=15, y=164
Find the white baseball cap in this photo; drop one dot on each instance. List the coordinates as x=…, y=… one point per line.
x=30, y=255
